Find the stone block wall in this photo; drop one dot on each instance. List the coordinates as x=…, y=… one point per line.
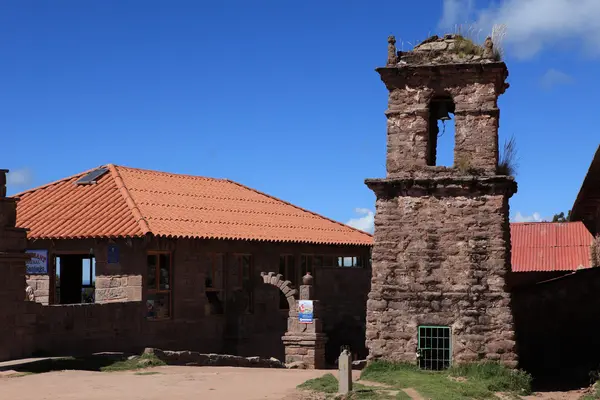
x=41, y=287
x=445, y=267
x=474, y=91
x=442, y=237
x=12, y=271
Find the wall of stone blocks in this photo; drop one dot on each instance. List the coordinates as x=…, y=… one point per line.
x=118, y=313
x=446, y=266
x=41, y=287
x=473, y=89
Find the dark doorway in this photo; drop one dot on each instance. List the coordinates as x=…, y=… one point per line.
x=75, y=279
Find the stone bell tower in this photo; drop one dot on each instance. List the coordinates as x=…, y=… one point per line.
x=442, y=237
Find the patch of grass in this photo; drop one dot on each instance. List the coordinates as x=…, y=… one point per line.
x=496, y=377
x=329, y=384
x=144, y=361
x=460, y=383
x=325, y=384
x=466, y=46
x=403, y=396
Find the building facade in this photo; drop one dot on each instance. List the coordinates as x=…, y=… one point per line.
x=190, y=250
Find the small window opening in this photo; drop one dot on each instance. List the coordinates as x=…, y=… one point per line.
x=434, y=347
x=214, y=283
x=75, y=280
x=244, y=287
x=440, y=149
x=158, y=284
x=356, y=262
x=287, y=268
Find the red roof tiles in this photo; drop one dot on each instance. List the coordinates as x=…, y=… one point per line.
x=550, y=246
x=133, y=202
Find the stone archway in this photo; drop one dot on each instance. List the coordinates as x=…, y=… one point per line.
x=304, y=342
x=277, y=280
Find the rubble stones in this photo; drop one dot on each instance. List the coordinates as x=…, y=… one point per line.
x=221, y=360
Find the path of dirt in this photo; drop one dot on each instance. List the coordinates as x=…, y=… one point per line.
x=183, y=383
x=176, y=383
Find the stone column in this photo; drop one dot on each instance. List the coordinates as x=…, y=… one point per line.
x=305, y=341
x=13, y=242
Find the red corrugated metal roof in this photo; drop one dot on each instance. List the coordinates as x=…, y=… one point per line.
x=550, y=246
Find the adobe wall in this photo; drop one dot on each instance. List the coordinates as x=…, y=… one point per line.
x=557, y=327
x=191, y=327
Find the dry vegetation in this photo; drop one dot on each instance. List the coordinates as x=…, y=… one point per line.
x=508, y=162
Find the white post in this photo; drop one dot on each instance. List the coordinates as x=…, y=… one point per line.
x=345, y=372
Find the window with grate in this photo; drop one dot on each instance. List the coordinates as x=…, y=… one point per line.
x=435, y=347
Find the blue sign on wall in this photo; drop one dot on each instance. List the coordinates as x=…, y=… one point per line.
x=38, y=263
x=305, y=311
x=113, y=254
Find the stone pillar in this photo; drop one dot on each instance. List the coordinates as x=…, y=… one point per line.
x=305, y=341
x=13, y=242
x=345, y=371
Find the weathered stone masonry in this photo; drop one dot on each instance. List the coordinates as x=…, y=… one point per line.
x=442, y=238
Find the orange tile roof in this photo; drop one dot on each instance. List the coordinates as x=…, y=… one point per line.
x=550, y=246
x=129, y=202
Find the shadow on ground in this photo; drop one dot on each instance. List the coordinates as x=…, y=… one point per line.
x=82, y=363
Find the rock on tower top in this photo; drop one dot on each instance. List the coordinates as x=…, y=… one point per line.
x=449, y=49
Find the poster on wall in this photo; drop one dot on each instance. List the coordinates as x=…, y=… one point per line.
x=38, y=264
x=305, y=311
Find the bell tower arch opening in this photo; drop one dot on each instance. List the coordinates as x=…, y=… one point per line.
x=440, y=137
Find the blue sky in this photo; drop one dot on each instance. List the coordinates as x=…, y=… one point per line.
x=279, y=95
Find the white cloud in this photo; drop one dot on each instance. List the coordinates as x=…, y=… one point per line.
x=19, y=177
x=533, y=25
x=455, y=12
x=535, y=217
x=366, y=222
x=554, y=77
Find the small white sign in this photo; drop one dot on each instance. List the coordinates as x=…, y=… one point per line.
x=38, y=264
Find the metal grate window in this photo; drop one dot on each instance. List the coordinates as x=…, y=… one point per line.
x=435, y=347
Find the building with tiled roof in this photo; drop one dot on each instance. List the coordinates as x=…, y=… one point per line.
x=191, y=249
x=118, y=202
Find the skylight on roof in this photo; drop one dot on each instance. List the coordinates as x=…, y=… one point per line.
x=91, y=177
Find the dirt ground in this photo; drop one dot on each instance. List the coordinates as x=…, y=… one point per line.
x=176, y=383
